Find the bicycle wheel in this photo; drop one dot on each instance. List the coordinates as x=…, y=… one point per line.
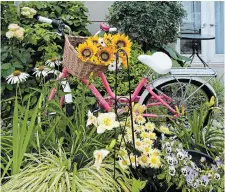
x=190, y=93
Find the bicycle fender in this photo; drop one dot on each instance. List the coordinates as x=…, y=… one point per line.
x=66, y=89
x=163, y=80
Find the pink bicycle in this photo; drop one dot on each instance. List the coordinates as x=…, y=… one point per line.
x=181, y=89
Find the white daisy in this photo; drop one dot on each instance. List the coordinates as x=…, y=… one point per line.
x=53, y=62
x=139, y=128
x=124, y=163
x=150, y=126
x=101, y=41
x=143, y=161
x=55, y=72
x=17, y=77
x=154, y=161
x=132, y=160
x=148, y=141
x=139, y=145
x=140, y=119
x=41, y=71
x=112, y=66
x=155, y=152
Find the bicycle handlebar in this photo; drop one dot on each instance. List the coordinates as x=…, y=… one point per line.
x=56, y=23
x=60, y=25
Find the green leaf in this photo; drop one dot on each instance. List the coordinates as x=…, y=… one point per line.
x=171, y=52
x=9, y=86
x=138, y=185
x=161, y=176
x=6, y=65
x=17, y=65
x=180, y=184
x=112, y=144
x=4, y=56
x=168, y=178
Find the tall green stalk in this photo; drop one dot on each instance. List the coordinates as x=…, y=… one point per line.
x=22, y=131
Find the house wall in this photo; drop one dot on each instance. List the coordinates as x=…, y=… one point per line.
x=97, y=13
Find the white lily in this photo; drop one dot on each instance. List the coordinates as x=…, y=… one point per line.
x=106, y=121
x=91, y=119
x=99, y=155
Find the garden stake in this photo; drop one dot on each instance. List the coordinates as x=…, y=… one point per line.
x=129, y=108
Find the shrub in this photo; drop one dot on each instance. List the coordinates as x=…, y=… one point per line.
x=57, y=172
x=39, y=44
x=150, y=23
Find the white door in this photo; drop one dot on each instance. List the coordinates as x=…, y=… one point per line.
x=204, y=17
x=216, y=28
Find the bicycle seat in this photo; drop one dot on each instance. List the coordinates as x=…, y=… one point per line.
x=159, y=62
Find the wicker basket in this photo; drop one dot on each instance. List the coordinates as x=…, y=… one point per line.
x=73, y=64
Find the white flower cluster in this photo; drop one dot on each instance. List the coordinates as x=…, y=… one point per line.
x=15, y=31
x=144, y=138
x=179, y=164
x=28, y=12
x=43, y=71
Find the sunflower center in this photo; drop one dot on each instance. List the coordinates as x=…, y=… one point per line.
x=54, y=59
x=95, y=42
x=109, y=41
x=16, y=73
x=104, y=56
x=121, y=44
x=86, y=53
x=41, y=68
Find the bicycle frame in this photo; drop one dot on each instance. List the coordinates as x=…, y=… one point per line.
x=162, y=100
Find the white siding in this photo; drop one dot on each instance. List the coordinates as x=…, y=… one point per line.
x=97, y=13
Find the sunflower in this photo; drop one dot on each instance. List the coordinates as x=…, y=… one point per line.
x=94, y=59
x=106, y=55
x=123, y=60
x=108, y=39
x=122, y=41
x=127, y=50
x=93, y=39
x=86, y=51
